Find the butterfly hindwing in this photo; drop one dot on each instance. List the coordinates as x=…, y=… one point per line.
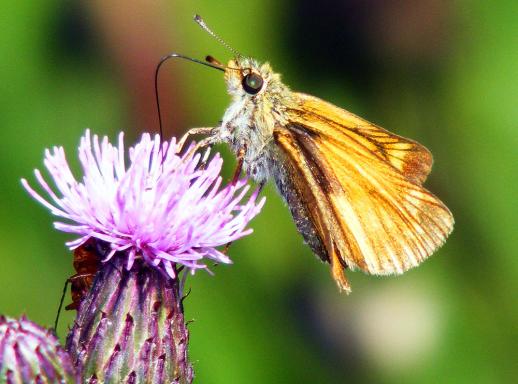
x=363, y=187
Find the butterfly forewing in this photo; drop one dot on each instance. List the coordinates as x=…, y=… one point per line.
x=362, y=186
x=340, y=126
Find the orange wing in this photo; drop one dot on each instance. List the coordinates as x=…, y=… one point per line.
x=361, y=187
x=340, y=126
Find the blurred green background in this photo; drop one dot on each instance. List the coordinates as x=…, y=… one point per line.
x=444, y=73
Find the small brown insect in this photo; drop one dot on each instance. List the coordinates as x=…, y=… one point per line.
x=87, y=262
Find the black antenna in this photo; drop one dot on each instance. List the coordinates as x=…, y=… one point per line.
x=60, y=306
x=202, y=24
x=162, y=61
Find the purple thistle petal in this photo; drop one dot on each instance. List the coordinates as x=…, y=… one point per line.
x=161, y=206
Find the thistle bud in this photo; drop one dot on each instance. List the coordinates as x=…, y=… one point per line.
x=32, y=354
x=130, y=328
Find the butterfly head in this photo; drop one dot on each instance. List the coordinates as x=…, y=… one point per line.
x=246, y=78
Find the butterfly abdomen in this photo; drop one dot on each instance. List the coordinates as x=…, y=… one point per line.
x=283, y=175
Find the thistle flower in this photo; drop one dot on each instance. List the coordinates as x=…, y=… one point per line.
x=162, y=207
x=31, y=354
x=160, y=213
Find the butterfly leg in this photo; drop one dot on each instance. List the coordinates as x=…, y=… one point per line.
x=205, y=158
x=227, y=246
x=239, y=166
x=192, y=132
x=208, y=141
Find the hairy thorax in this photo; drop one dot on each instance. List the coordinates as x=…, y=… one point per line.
x=248, y=126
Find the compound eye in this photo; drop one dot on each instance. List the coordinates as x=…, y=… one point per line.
x=252, y=83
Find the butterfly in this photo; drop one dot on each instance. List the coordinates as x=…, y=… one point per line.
x=353, y=188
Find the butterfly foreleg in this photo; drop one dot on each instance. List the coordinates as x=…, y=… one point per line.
x=192, y=132
x=208, y=141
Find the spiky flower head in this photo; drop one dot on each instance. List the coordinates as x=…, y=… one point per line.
x=162, y=206
x=31, y=354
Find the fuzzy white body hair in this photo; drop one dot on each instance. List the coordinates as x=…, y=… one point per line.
x=248, y=125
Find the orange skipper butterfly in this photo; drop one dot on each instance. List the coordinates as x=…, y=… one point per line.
x=354, y=189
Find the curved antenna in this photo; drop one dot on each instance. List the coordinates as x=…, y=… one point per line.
x=204, y=26
x=157, y=69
